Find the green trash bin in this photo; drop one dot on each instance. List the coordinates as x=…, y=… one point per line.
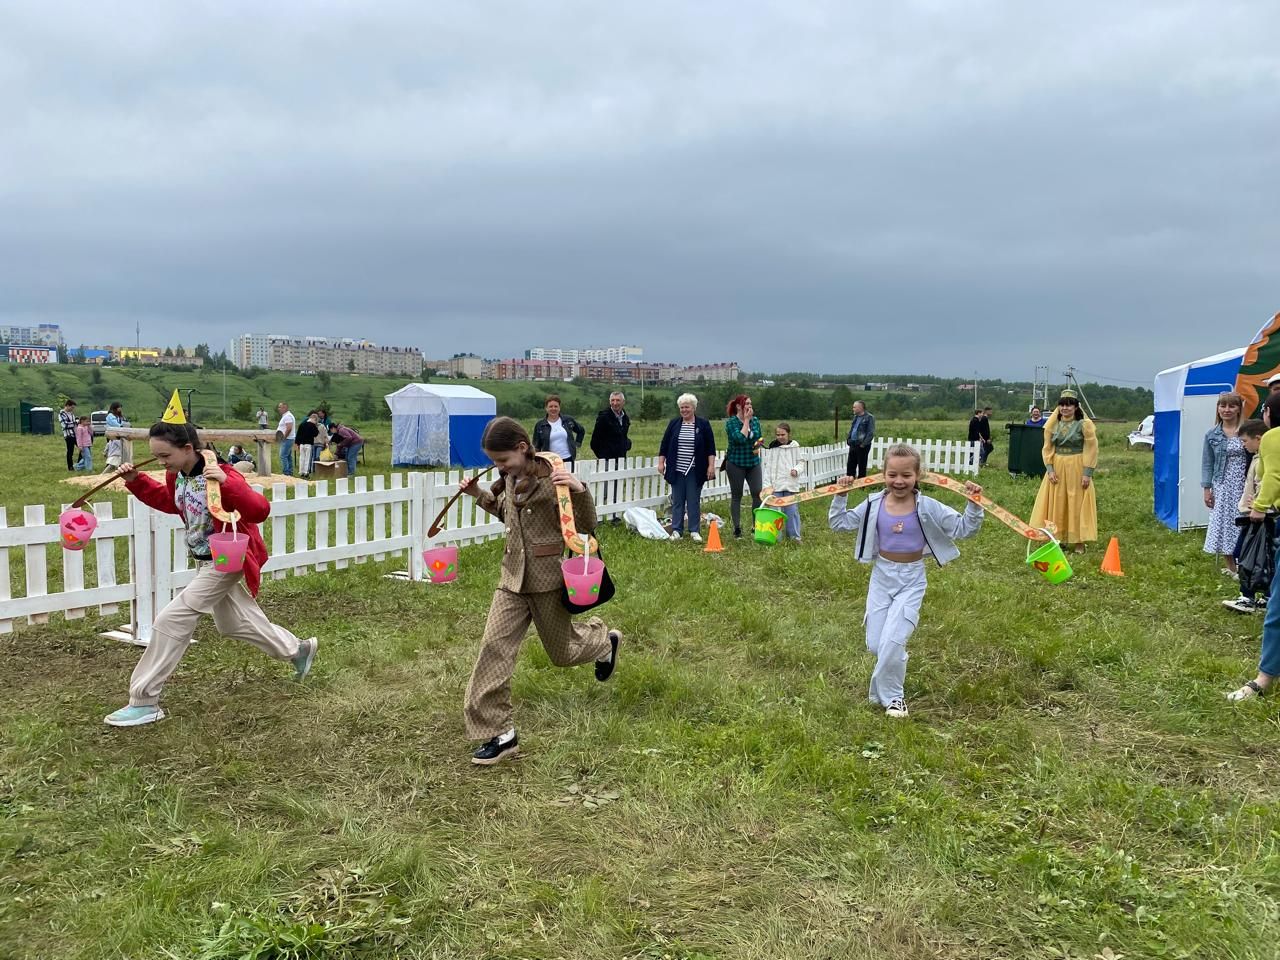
x=1025, y=444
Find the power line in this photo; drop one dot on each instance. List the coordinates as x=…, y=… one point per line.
x=1099, y=377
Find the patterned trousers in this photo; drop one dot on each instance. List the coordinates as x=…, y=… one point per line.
x=488, y=705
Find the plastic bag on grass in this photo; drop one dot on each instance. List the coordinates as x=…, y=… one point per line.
x=645, y=522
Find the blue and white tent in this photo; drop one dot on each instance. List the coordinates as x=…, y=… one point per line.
x=1186, y=405
x=436, y=424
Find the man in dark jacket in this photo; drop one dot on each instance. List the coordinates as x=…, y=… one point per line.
x=984, y=432
x=609, y=440
x=561, y=435
x=308, y=430
x=975, y=430
x=861, y=432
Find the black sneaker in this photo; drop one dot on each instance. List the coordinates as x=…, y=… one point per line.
x=737, y=534
x=494, y=752
x=604, y=668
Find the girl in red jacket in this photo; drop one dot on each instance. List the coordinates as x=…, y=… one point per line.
x=229, y=597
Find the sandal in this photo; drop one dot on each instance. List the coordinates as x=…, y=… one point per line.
x=1247, y=692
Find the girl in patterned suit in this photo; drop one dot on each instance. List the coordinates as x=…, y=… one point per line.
x=524, y=497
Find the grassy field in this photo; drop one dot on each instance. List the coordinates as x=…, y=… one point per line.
x=1071, y=782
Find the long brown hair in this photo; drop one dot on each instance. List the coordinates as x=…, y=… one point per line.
x=504, y=435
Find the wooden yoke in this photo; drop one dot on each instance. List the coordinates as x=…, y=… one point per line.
x=213, y=491
x=580, y=543
x=933, y=479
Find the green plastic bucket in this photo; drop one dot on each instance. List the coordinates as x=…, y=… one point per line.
x=769, y=524
x=1050, y=561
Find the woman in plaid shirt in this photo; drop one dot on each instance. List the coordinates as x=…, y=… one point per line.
x=743, y=460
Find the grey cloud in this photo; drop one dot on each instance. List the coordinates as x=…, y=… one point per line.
x=832, y=186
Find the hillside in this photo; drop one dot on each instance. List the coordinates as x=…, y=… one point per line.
x=359, y=397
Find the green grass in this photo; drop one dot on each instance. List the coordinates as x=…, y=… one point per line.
x=1070, y=782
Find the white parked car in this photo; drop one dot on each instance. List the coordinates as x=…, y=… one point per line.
x=1145, y=435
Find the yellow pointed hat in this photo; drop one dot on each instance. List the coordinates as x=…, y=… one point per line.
x=173, y=412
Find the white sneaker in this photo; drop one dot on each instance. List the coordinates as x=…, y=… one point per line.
x=695, y=537
x=1241, y=604
x=897, y=709
x=675, y=534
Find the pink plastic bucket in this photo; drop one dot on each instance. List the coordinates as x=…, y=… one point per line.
x=228, y=551
x=582, y=580
x=77, y=527
x=442, y=564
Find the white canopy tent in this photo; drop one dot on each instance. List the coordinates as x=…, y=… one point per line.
x=436, y=424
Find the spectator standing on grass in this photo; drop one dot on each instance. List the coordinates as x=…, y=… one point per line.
x=562, y=435
x=975, y=429
x=609, y=437
x=784, y=469
x=67, y=419
x=1223, y=465
x=115, y=448
x=861, y=432
x=285, y=430
x=984, y=432
x=609, y=440
x=1265, y=504
x=262, y=418
x=349, y=444
x=1251, y=434
x=687, y=460
x=84, y=443
x=743, y=460
x=1066, y=498
x=308, y=431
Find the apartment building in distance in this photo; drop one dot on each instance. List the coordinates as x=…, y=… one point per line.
x=619, y=354
x=621, y=373
x=32, y=335
x=459, y=365
x=314, y=354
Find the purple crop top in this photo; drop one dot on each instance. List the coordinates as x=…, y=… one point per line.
x=899, y=534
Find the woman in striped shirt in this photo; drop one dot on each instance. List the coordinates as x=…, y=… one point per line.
x=687, y=459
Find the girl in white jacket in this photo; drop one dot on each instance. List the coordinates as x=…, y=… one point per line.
x=897, y=530
x=784, y=472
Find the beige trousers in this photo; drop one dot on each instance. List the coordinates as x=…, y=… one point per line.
x=488, y=706
x=235, y=613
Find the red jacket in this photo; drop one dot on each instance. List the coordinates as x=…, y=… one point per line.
x=236, y=495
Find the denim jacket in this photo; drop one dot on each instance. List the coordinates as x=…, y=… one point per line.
x=941, y=525
x=1213, y=462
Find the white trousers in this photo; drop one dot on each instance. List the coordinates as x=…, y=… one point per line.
x=893, y=610
x=235, y=613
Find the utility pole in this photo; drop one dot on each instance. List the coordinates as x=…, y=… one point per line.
x=975, y=389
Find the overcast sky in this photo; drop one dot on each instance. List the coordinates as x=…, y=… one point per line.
x=934, y=187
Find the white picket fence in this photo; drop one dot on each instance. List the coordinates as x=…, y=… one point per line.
x=311, y=529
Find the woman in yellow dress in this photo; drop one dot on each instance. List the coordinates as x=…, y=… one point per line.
x=1066, y=498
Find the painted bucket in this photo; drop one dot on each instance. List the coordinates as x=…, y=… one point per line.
x=228, y=551
x=1050, y=561
x=442, y=564
x=769, y=524
x=582, y=580
x=76, y=527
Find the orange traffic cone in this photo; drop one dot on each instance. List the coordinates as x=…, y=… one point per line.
x=713, y=539
x=1111, y=560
